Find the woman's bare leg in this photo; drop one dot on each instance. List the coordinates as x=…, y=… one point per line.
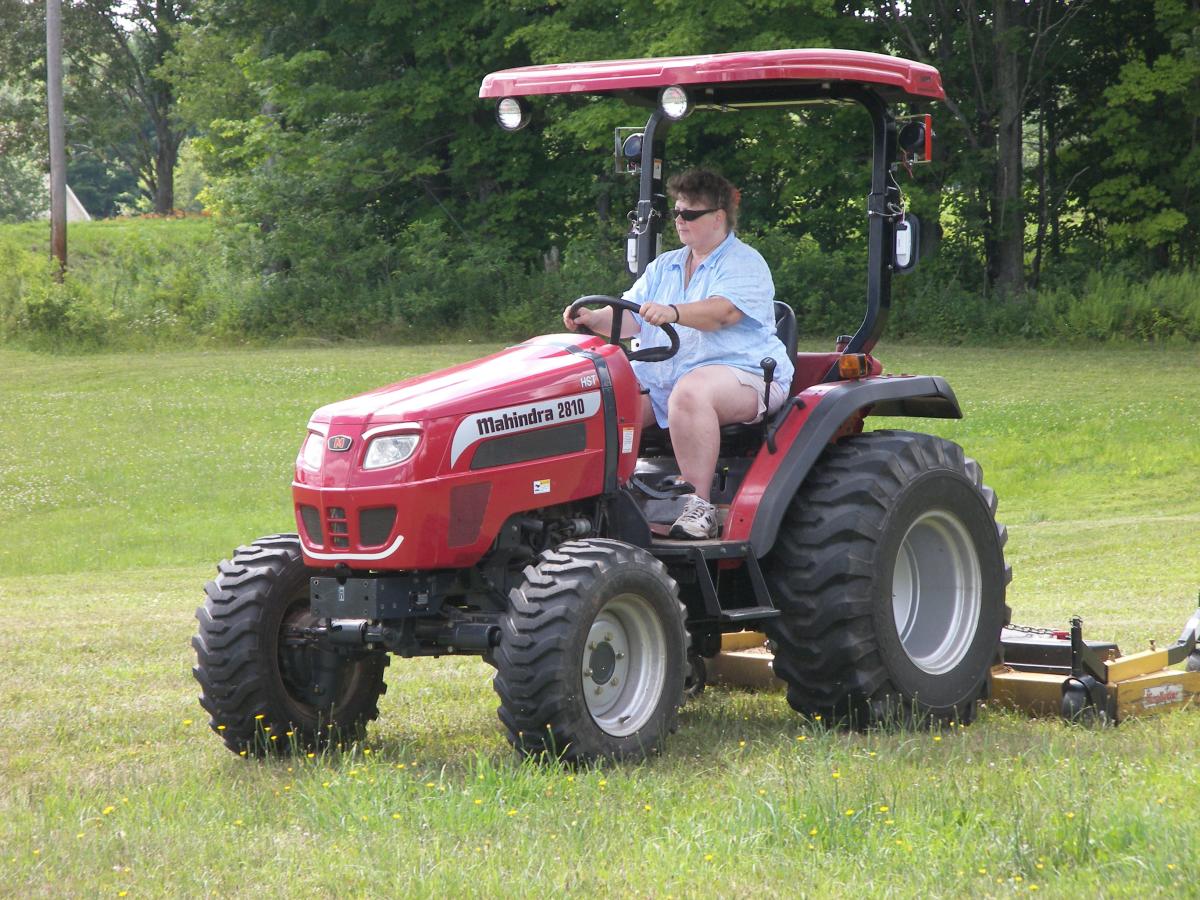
x=702, y=401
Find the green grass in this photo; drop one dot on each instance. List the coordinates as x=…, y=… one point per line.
x=124, y=477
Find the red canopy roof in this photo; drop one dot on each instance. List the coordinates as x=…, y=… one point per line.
x=898, y=78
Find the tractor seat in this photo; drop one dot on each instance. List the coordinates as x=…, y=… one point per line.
x=735, y=439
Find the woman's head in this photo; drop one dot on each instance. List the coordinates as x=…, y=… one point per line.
x=704, y=189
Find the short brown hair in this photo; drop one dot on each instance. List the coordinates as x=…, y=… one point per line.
x=707, y=187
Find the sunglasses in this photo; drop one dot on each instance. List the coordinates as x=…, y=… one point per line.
x=691, y=215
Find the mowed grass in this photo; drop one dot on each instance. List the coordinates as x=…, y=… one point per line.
x=124, y=478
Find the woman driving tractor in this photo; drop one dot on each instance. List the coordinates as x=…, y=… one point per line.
x=720, y=291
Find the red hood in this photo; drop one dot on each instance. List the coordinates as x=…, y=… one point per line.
x=511, y=376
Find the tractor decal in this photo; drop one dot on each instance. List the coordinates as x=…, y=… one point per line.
x=523, y=417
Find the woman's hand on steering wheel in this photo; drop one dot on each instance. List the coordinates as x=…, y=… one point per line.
x=619, y=305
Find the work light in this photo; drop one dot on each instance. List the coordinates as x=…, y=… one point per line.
x=674, y=102
x=512, y=114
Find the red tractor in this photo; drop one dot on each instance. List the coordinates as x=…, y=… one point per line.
x=512, y=507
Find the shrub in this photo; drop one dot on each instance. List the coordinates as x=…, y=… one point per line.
x=143, y=282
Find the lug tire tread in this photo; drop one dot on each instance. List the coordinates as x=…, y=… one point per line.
x=821, y=573
x=238, y=675
x=540, y=715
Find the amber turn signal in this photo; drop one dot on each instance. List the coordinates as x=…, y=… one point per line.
x=853, y=365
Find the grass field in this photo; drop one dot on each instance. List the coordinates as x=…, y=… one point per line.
x=123, y=478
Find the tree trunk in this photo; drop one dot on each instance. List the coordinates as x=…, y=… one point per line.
x=1008, y=216
x=1042, y=200
x=167, y=152
x=1052, y=179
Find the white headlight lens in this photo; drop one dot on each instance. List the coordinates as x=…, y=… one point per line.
x=674, y=102
x=390, y=450
x=312, y=451
x=511, y=114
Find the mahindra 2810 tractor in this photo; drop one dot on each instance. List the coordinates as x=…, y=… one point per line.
x=512, y=508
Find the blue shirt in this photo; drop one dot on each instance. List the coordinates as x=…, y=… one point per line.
x=734, y=271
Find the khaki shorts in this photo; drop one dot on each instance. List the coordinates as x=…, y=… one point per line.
x=755, y=381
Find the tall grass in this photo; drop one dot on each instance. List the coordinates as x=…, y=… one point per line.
x=124, y=477
x=130, y=283
x=153, y=283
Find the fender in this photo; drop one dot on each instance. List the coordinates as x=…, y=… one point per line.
x=773, y=479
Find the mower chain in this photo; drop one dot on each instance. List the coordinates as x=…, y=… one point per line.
x=1030, y=629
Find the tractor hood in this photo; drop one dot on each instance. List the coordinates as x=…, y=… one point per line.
x=547, y=381
x=423, y=474
x=518, y=374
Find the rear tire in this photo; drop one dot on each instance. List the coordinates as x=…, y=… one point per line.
x=889, y=572
x=592, y=655
x=254, y=670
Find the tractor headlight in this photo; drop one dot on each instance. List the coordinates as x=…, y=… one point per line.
x=388, y=450
x=312, y=451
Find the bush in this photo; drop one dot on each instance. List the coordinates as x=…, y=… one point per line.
x=129, y=283
x=145, y=282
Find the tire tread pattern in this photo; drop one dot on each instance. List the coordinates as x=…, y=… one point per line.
x=540, y=709
x=821, y=569
x=238, y=671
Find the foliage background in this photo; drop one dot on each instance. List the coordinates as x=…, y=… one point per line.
x=359, y=188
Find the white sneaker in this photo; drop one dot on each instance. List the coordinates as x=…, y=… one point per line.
x=698, y=522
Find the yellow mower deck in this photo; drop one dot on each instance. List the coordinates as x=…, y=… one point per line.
x=1097, y=677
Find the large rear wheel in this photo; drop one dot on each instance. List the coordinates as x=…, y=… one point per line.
x=593, y=654
x=261, y=672
x=889, y=571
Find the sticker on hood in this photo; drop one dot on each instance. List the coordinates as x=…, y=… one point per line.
x=524, y=417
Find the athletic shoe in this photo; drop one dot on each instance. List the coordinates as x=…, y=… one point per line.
x=698, y=522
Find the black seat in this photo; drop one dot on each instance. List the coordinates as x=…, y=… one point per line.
x=785, y=328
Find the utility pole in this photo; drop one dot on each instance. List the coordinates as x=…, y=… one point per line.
x=58, y=148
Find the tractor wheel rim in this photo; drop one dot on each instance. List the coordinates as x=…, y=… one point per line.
x=936, y=592
x=624, y=665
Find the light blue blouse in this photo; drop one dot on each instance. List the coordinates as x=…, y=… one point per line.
x=734, y=271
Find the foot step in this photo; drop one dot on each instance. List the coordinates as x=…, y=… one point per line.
x=749, y=612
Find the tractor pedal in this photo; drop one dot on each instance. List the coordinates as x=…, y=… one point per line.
x=675, y=486
x=669, y=488
x=747, y=613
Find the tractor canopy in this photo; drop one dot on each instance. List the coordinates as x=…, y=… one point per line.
x=673, y=86
x=729, y=79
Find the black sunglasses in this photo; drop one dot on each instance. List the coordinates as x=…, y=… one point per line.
x=691, y=215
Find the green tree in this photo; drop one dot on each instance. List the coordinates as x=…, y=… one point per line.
x=1145, y=155
x=122, y=108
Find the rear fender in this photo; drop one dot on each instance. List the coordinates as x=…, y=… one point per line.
x=773, y=479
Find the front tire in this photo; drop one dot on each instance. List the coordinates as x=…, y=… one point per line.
x=256, y=668
x=890, y=575
x=592, y=655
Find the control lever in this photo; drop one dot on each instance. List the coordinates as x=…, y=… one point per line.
x=768, y=366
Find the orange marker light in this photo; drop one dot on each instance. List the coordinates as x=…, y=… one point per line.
x=853, y=365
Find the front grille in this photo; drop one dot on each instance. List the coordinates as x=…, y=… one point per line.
x=375, y=525
x=312, y=524
x=339, y=528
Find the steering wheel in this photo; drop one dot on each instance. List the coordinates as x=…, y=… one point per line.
x=618, y=305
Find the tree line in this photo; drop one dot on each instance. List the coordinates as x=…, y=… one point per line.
x=348, y=156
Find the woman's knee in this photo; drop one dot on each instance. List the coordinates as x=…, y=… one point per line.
x=688, y=397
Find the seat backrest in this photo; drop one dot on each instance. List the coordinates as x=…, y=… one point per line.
x=785, y=327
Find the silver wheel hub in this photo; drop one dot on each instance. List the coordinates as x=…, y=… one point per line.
x=624, y=665
x=937, y=592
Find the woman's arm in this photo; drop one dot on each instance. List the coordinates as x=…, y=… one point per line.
x=600, y=321
x=712, y=314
